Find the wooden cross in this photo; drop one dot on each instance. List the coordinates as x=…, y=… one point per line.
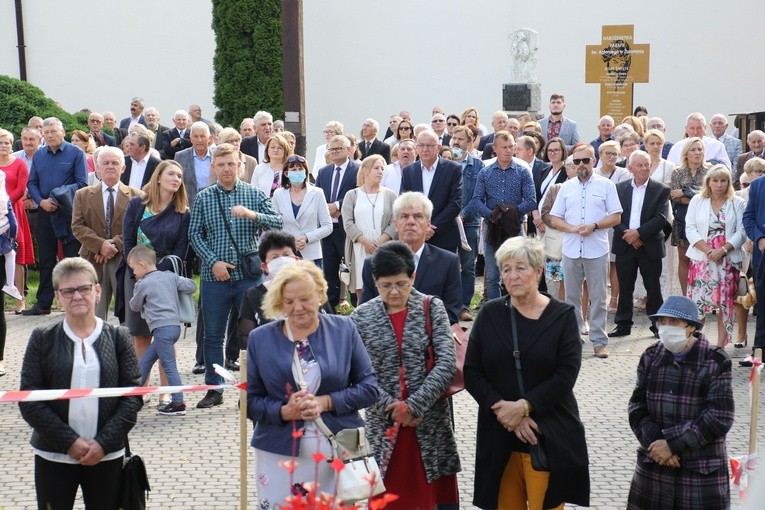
x=617, y=63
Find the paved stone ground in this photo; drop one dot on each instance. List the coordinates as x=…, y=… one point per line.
x=193, y=461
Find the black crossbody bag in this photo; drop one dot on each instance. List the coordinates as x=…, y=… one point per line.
x=537, y=451
x=249, y=262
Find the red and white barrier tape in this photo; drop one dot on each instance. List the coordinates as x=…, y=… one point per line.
x=136, y=391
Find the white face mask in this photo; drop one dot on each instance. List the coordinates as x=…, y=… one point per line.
x=673, y=338
x=275, y=265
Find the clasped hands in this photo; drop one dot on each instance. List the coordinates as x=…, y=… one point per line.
x=661, y=454
x=510, y=415
x=399, y=412
x=86, y=452
x=304, y=405
x=632, y=237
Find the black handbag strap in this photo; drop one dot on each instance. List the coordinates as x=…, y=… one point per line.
x=516, y=349
x=127, y=448
x=228, y=227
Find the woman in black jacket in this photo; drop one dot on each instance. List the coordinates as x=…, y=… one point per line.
x=512, y=419
x=79, y=442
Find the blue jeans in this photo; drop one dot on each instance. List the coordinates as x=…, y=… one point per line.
x=492, y=271
x=162, y=347
x=217, y=300
x=467, y=265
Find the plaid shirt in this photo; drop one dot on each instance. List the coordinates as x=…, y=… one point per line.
x=732, y=147
x=208, y=233
x=687, y=402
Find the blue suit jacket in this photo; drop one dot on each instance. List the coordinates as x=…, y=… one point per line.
x=445, y=193
x=568, y=131
x=325, y=178
x=754, y=220
x=438, y=274
x=346, y=375
x=125, y=123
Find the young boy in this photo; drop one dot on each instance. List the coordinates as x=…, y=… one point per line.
x=156, y=293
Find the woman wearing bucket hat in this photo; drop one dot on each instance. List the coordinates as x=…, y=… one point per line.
x=680, y=411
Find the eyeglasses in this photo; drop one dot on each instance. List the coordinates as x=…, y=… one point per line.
x=610, y=154
x=84, y=290
x=335, y=149
x=329, y=132
x=586, y=161
x=296, y=159
x=399, y=286
x=554, y=151
x=428, y=145
x=404, y=128
x=452, y=124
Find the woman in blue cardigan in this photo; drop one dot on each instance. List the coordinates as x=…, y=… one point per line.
x=334, y=364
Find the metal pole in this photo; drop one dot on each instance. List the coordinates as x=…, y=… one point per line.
x=20, y=41
x=243, y=432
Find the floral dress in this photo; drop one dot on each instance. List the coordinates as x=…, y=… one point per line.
x=713, y=285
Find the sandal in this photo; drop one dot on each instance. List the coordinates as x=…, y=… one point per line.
x=585, y=328
x=740, y=344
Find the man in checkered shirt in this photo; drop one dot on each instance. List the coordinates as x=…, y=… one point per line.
x=248, y=212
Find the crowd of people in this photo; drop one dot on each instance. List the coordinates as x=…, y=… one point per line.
x=392, y=226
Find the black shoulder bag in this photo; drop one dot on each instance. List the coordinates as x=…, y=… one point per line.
x=134, y=487
x=537, y=451
x=249, y=262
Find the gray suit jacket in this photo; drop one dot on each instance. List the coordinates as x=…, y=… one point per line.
x=186, y=160
x=568, y=131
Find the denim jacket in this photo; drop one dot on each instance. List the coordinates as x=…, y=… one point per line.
x=470, y=171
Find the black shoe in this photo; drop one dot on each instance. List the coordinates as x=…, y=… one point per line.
x=212, y=398
x=199, y=368
x=232, y=364
x=745, y=363
x=36, y=310
x=620, y=331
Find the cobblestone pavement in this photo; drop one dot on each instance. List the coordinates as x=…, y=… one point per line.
x=193, y=461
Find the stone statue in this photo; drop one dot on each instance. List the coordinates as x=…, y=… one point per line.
x=523, y=46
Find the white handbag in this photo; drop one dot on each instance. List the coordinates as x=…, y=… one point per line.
x=186, y=305
x=553, y=243
x=350, y=446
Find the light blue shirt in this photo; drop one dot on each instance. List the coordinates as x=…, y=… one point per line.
x=202, y=169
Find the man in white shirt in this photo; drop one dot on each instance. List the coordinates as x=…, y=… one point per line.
x=255, y=146
x=139, y=164
x=719, y=124
x=392, y=174
x=136, y=114
x=178, y=138
x=369, y=144
x=584, y=210
x=438, y=125
x=714, y=150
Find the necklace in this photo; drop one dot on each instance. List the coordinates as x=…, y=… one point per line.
x=373, y=204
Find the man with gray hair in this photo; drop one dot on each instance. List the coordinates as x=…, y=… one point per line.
x=136, y=114
x=370, y=144
x=97, y=221
x=719, y=123
x=59, y=164
x=714, y=150
x=95, y=123
x=658, y=123
x=151, y=115
x=247, y=127
x=336, y=179
x=178, y=138
x=139, y=163
x=438, y=125
x=756, y=142
x=255, y=146
x=498, y=123
x=196, y=161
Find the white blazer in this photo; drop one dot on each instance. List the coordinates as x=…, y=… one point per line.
x=313, y=219
x=697, y=226
x=263, y=178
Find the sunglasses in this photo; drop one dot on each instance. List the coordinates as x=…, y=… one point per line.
x=296, y=159
x=451, y=124
x=586, y=161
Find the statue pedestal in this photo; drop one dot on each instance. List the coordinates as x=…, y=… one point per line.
x=522, y=97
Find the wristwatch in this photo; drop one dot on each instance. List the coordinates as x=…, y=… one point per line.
x=596, y=227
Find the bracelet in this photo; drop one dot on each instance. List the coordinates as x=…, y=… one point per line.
x=526, y=409
x=724, y=249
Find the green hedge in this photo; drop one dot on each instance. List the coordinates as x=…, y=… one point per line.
x=20, y=100
x=249, y=74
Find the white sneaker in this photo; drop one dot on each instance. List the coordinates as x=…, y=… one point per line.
x=465, y=246
x=12, y=291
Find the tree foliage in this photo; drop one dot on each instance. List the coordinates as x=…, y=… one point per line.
x=248, y=67
x=21, y=100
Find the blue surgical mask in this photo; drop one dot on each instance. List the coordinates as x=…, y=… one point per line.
x=296, y=176
x=457, y=152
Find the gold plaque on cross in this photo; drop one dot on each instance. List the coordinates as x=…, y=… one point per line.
x=617, y=63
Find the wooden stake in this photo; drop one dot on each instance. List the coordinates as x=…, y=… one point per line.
x=755, y=405
x=242, y=432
